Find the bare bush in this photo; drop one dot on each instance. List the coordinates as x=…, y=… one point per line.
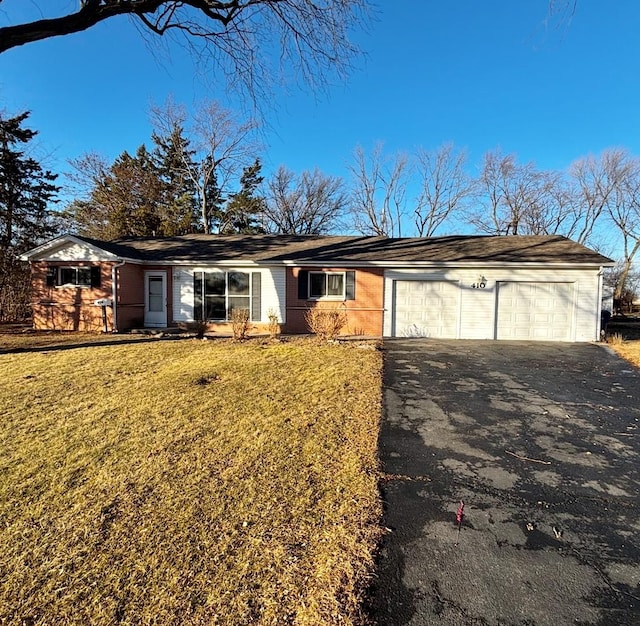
x=240, y=323
x=615, y=339
x=326, y=323
x=198, y=327
x=273, y=325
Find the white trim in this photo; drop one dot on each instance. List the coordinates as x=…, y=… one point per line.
x=571, y=309
x=44, y=251
x=60, y=285
x=420, y=331
x=326, y=273
x=155, y=319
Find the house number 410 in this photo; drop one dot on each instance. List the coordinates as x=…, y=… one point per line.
x=481, y=285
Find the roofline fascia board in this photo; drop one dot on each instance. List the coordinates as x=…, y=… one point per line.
x=356, y=264
x=207, y=262
x=57, y=243
x=111, y=259
x=444, y=264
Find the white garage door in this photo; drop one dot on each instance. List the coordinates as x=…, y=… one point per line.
x=426, y=308
x=538, y=311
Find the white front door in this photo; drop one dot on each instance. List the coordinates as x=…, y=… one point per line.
x=155, y=299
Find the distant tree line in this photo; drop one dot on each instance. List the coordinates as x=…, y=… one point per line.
x=202, y=173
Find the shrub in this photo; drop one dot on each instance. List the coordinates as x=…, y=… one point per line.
x=198, y=327
x=615, y=339
x=326, y=323
x=274, y=324
x=240, y=323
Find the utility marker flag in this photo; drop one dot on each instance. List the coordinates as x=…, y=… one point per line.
x=459, y=518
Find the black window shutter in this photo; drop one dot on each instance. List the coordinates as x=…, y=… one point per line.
x=197, y=296
x=350, y=290
x=95, y=275
x=51, y=276
x=256, y=293
x=303, y=284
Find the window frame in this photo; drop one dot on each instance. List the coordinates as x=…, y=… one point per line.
x=254, y=284
x=326, y=274
x=75, y=284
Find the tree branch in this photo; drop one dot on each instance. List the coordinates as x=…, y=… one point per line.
x=92, y=12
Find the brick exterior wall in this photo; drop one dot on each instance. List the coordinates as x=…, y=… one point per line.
x=364, y=314
x=73, y=308
x=130, y=302
x=69, y=308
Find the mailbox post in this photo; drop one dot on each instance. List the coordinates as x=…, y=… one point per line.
x=104, y=303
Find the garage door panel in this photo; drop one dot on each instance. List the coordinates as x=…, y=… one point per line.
x=426, y=308
x=535, y=310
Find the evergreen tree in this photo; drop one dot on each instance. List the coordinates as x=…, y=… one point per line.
x=179, y=212
x=137, y=196
x=244, y=210
x=26, y=190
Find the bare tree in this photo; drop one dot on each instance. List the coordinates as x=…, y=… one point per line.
x=623, y=210
x=519, y=199
x=236, y=36
x=444, y=187
x=310, y=204
x=216, y=149
x=593, y=180
x=378, y=192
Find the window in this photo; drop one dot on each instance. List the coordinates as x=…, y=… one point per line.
x=326, y=285
x=217, y=294
x=316, y=285
x=63, y=276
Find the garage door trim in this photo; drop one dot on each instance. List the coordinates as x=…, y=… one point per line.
x=410, y=279
x=543, y=324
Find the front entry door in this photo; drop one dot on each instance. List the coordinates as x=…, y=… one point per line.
x=155, y=299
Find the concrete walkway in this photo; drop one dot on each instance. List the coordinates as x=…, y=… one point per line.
x=541, y=443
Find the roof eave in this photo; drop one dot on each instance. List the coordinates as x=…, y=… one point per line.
x=39, y=252
x=379, y=264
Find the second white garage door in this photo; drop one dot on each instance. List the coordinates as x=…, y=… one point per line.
x=426, y=308
x=535, y=311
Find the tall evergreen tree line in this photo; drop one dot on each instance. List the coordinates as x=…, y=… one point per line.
x=159, y=193
x=26, y=193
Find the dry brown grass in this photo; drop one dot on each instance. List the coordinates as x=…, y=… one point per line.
x=188, y=482
x=33, y=340
x=629, y=350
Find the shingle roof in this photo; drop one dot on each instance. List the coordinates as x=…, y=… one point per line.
x=300, y=249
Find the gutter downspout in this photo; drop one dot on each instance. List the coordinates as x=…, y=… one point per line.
x=600, y=285
x=114, y=293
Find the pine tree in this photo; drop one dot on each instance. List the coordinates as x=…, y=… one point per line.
x=244, y=209
x=129, y=198
x=26, y=190
x=179, y=213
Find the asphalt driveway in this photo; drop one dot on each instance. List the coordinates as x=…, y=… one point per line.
x=541, y=443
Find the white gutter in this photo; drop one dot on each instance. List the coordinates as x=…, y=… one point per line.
x=600, y=287
x=114, y=293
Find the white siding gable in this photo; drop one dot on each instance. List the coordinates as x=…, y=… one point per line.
x=76, y=251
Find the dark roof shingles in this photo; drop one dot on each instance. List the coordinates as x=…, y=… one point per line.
x=349, y=249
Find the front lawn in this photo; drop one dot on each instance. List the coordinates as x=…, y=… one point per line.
x=188, y=482
x=629, y=350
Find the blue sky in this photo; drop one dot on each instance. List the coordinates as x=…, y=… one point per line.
x=481, y=74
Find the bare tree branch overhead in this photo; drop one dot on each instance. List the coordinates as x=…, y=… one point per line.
x=243, y=38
